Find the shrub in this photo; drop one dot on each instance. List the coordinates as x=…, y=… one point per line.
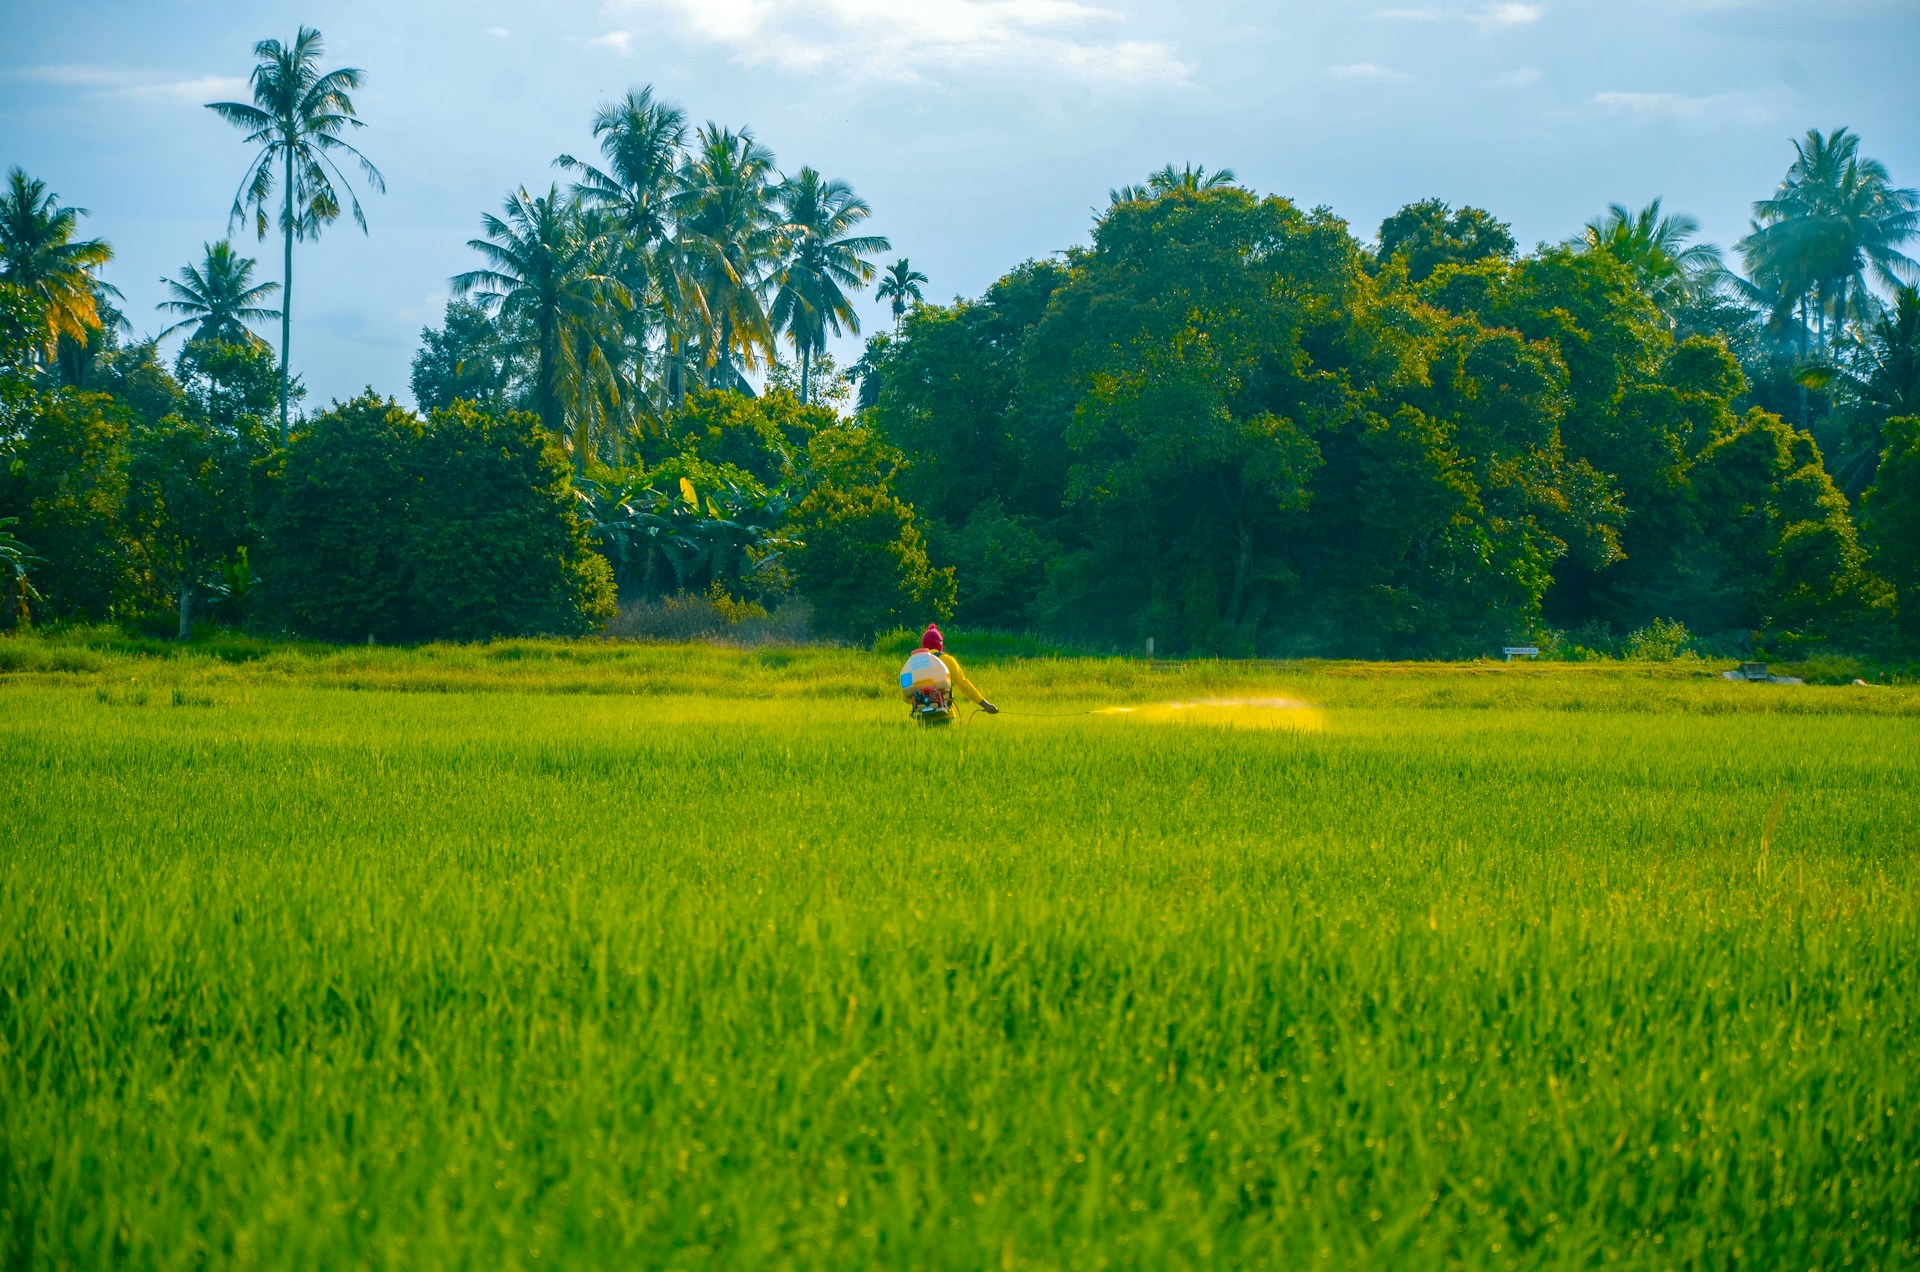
x=63, y=475
x=862, y=565
x=721, y=620
x=497, y=545
x=459, y=527
x=1663, y=640
x=1891, y=513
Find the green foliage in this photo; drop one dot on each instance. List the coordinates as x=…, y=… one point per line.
x=461, y=526
x=1662, y=640
x=467, y=358
x=188, y=488
x=1424, y=236
x=861, y=563
x=334, y=561
x=42, y=257
x=766, y=436
x=17, y=561
x=496, y=547
x=954, y=373
x=230, y=386
x=1781, y=550
x=1000, y=562
x=1891, y=513
x=63, y=476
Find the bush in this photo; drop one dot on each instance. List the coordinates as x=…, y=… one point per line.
x=497, y=547
x=63, y=476
x=715, y=620
x=1663, y=640
x=862, y=565
x=460, y=527
x=1891, y=513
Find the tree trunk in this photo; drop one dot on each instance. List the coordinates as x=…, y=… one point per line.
x=186, y=603
x=806, y=372
x=286, y=303
x=549, y=373
x=1804, y=418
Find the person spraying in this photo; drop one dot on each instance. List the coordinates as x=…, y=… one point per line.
x=930, y=679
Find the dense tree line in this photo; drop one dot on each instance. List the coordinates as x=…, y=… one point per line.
x=1229, y=424
x=1225, y=422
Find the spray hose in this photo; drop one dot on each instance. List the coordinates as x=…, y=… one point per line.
x=1032, y=715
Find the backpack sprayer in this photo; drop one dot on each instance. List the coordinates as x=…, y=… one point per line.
x=928, y=688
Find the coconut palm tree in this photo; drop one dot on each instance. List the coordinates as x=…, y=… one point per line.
x=824, y=259
x=728, y=234
x=547, y=275
x=1835, y=228
x=41, y=255
x=1655, y=247
x=643, y=144
x=1879, y=375
x=296, y=118
x=219, y=298
x=1191, y=179
x=900, y=287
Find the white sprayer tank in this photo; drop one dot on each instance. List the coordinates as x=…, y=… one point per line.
x=924, y=673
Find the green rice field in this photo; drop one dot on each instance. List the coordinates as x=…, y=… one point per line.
x=615, y=956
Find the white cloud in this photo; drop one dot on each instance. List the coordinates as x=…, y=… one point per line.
x=1369, y=71
x=153, y=86
x=499, y=33
x=1513, y=81
x=914, y=39
x=1490, y=17
x=1713, y=108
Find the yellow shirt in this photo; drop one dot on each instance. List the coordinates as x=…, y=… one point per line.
x=961, y=684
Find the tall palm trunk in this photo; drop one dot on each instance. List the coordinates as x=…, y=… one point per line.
x=549, y=392
x=286, y=304
x=806, y=372
x=1804, y=416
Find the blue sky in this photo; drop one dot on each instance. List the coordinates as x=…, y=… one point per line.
x=983, y=132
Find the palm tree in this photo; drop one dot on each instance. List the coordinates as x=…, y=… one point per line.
x=1880, y=376
x=219, y=298
x=823, y=259
x=296, y=118
x=40, y=254
x=900, y=286
x=1654, y=246
x=1189, y=179
x=546, y=274
x=1834, y=228
x=643, y=142
x=729, y=237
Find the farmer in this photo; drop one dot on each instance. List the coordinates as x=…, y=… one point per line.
x=930, y=677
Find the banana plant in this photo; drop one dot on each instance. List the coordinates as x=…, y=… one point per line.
x=17, y=562
x=715, y=530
